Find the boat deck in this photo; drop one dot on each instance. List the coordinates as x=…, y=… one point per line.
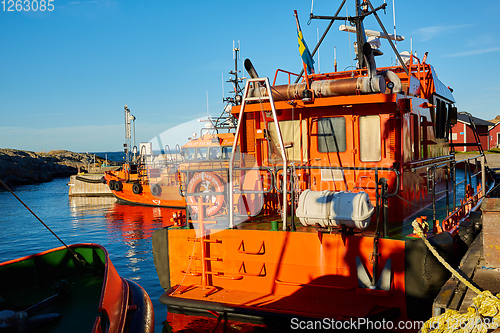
x=78, y=308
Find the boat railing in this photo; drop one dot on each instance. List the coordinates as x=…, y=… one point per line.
x=286, y=72
x=376, y=171
x=470, y=173
x=246, y=98
x=224, y=173
x=174, y=159
x=450, y=173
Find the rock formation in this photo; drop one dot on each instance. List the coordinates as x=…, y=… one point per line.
x=27, y=167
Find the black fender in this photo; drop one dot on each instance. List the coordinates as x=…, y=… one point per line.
x=140, y=318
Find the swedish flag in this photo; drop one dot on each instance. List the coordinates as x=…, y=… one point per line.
x=303, y=49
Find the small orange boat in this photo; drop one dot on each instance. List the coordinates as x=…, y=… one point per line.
x=165, y=186
x=147, y=181
x=162, y=180
x=324, y=181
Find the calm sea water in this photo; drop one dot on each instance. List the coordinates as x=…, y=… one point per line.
x=124, y=230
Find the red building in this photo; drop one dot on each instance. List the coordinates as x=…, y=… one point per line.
x=462, y=132
x=495, y=136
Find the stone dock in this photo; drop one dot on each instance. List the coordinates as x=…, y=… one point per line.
x=481, y=263
x=90, y=184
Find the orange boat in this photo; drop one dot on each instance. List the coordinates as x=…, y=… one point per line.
x=147, y=180
x=162, y=180
x=325, y=179
x=164, y=186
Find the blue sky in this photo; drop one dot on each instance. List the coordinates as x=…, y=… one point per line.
x=65, y=75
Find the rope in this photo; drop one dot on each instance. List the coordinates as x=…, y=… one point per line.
x=75, y=255
x=481, y=316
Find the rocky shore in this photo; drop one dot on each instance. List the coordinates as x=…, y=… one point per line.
x=19, y=167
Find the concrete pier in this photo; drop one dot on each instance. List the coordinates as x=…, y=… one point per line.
x=90, y=184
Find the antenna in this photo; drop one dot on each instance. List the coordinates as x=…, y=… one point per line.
x=317, y=36
x=312, y=4
x=207, y=103
x=394, y=17
x=371, y=33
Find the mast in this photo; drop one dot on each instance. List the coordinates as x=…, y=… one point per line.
x=226, y=120
x=361, y=8
x=128, y=143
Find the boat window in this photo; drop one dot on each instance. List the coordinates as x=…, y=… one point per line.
x=201, y=154
x=215, y=153
x=331, y=135
x=370, y=142
x=226, y=152
x=189, y=153
x=441, y=118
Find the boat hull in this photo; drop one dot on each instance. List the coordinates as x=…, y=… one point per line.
x=85, y=295
x=284, y=275
x=168, y=196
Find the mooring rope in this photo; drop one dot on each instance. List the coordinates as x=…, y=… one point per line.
x=46, y=226
x=481, y=316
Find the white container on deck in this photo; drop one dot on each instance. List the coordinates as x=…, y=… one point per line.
x=328, y=208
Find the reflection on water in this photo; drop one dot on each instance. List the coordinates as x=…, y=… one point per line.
x=137, y=222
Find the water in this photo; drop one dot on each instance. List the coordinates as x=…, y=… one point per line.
x=124, y=230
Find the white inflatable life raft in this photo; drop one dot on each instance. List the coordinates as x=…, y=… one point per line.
x=328, y=208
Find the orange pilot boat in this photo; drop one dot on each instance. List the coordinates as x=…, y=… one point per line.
x=313, y=216
x=147, y=180
x=164, y=184
x=162, y=180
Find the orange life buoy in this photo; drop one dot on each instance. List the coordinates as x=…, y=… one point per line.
x=215, y=181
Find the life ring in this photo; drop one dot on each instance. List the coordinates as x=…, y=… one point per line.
x=156, y=190
x=210, y=181
x=112, y=184
x=118, y=185
x=137, y=188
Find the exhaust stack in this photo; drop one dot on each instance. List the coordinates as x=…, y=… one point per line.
x=250, y=69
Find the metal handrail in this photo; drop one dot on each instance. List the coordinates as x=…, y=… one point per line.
x=311, y=167
x=468, y=177
x=270, y=99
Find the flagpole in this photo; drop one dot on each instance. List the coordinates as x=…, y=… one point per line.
x=303, y=44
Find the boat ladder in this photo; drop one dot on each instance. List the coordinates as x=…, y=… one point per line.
x=205, y=240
